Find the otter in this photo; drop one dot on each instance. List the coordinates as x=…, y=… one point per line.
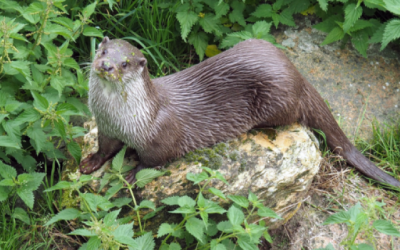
x=252, y=85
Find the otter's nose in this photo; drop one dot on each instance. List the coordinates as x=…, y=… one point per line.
x=107, y=66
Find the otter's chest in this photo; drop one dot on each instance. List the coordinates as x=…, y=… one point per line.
x=120, y=118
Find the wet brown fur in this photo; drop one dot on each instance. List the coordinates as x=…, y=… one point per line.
x=251, y=85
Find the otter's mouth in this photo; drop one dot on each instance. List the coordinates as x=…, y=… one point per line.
x=112, y=76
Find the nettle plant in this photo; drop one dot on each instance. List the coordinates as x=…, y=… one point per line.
x=364, y=221
x=197, y=230
x=40, y=81
x=209, y=24
x=354, y=20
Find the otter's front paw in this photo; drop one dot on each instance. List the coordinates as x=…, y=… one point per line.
x=91, y=163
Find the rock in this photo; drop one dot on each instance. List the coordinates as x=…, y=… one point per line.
x=276, y=165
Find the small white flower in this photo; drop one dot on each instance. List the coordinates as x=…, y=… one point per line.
x=369, y=85
x=387, y=84
x=383, y=87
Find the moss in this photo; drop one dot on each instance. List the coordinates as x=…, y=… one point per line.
x=208, y=157
x=243, y=164
x=234, y=155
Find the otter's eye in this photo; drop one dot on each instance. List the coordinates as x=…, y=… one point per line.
x=124, y=64
x=104, y=52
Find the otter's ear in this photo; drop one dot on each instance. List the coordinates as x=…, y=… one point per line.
x=105, y=40
x=142, y=62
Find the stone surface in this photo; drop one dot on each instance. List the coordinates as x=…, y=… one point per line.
x=276, y=165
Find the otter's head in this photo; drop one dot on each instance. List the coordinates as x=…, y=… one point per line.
x=117, y=61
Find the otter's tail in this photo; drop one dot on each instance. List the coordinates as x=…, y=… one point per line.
x=316, y=114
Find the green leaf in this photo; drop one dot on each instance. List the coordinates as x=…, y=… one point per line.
x=328, y=247
x=339, y=217
x=126, y=240
x=40, y=102
x=38, y=137
x=6, y=171
x=361, y=24
x=174, y=246
x=93, y=32
x=386, y=227
x=165, y=229
x=197, y=178
x=217, y=193
x=83, y=232
x=113, y=190
x=199, y=41
x=8, y=141
x=267, y=212
x=59, y=30
x=186, y=201
x=147, y=204
x=328, y=24
x=125, y=230
x=111, y=218
x=64, y=21
x=3, y=116
x=210, y=24
x=184, y=210
x=29, y=115
x=60, y=127
x=120, y=202
x=146, y=175
x=21, y=215
x=213, y=208
x=196, y=228
x=229, y=41
x=323, y=4
x=275, y=19
x=75, y=150
x=360, y=41
x=186, y=19
x=89, y=10
x=235, y=216
x=94, y=243
x=71, y=63
x=261, y=28
x=12, y=106
x=225, y=226
x=263, y=10
x=31, y=181
x=26, y=196
x=145, y=242
x=392, y=6
x=21, y=67
x=237, y=16
x=60, y=185
x=252, y=197
x=221, y=9
x=351, y=14
x=4, y=192
x=7, y=183
x=59, y=83
x=286, y=17
x=392, y=31
x=240, y=200
x=171, y=200
x=246, y=244
x=66, y=214
x=118, y=160
x=336, y=34
x=377, y=37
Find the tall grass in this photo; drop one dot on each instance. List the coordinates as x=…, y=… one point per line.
x=384, y=147
x=149, y=26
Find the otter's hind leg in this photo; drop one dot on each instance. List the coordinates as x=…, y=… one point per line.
x=108, y=147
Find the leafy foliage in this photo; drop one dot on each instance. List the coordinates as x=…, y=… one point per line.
x=40, y=81
x=357, y=220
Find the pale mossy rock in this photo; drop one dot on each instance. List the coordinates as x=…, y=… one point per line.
x=277, y=165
